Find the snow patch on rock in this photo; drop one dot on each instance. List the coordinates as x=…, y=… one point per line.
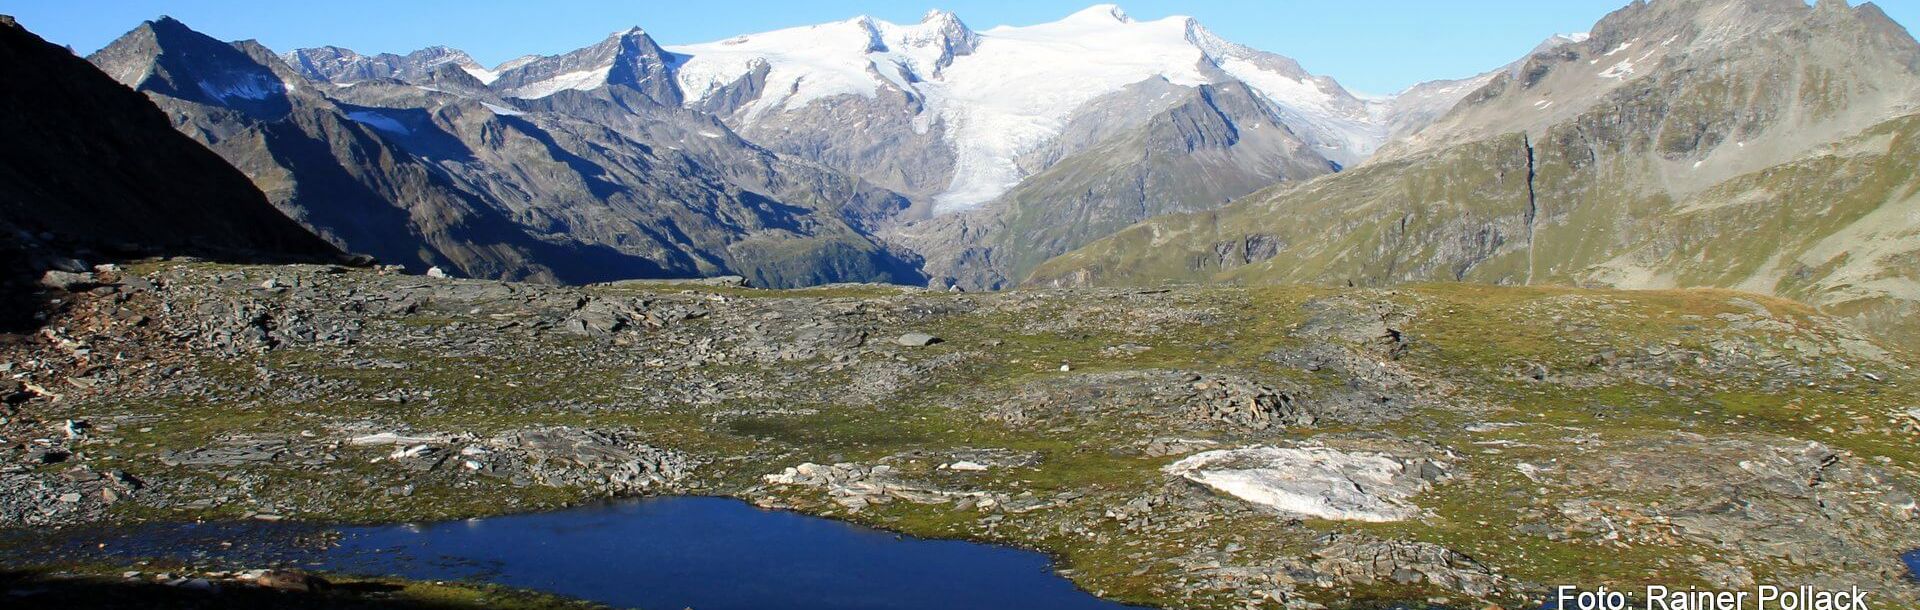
x=249, y=86
x=379, y=121
x=501, y=110
x=584, y=80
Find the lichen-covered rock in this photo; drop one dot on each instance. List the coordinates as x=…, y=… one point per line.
x=610, y=461
x=1360, y=560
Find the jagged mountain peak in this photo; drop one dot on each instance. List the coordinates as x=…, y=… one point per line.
x=167, y=57
x=630, y=40
x=1867, y=70
x=940, y=33
x=341, y=65
x=166, y=29
x=164, y=21
x=940, y=16
x=637, y=40
x=634, y=40
x=586, y=187
x=628, y=58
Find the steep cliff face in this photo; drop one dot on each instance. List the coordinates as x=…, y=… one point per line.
x=568, y=186
x=1606, y=142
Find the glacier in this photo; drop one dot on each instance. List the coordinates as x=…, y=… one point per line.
x=1015, y=87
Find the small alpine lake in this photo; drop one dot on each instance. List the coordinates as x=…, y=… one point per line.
x=672, y=553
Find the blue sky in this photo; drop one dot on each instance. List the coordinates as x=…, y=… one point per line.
x=1373, y=46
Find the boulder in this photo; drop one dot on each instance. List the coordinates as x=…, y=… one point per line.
x=291, y=580
x=917, y=340
x=68, y=280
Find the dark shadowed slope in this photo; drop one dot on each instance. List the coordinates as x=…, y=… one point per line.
x=91, y=161
x=90, y=167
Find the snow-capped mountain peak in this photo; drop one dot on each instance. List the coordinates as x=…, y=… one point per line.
x=989, y=96
x=940, y=36
x=627, y=57
x=1002, y=92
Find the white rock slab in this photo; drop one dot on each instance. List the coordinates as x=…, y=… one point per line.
x=1311, y=481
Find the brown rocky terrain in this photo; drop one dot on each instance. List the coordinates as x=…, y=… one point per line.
x=1537, y=435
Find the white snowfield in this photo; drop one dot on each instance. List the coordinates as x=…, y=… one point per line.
x=1019, y=86
x=245, y=86
x=1314, y=482
x=485, y=76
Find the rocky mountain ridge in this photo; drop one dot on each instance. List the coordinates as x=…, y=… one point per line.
x=918, y=87
x=937, y=123
x=1625, y=143
x=577, y=187
x=937, y=81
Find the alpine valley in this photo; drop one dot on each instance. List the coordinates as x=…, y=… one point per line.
x=1638, y=307
x=853, y=151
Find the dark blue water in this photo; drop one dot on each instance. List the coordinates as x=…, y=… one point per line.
x=1912, y=559
x=667, y=553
